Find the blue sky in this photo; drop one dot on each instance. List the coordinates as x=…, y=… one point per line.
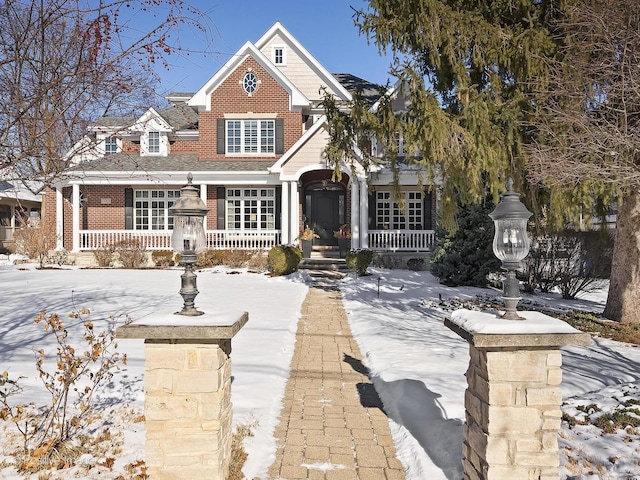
x=324, y=27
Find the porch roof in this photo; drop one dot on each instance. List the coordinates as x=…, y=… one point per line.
x=175, y=162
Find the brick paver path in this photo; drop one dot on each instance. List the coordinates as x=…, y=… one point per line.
x=332, y=426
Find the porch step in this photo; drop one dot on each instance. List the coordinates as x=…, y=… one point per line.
x=324, y=263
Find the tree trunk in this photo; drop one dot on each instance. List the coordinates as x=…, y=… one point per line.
x=623, y=302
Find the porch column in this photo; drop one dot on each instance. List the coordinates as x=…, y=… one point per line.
x=284, y=215
x=59, y=219
x=75, y=218
x=364, y=213
x=355, y=214
x=295, y=217
x=203, y=197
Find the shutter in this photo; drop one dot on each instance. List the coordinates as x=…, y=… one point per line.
x=128, y=208
x=278, y=207
x=279, y=136
x=372, y=211
x=221, y=148
x=427, y=217
x=221, y=207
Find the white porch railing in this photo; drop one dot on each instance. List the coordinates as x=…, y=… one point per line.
x=382, y=240
x=161, y=239
x=6, y=233
x=401, y=240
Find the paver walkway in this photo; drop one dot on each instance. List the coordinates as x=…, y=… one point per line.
x=332, y=426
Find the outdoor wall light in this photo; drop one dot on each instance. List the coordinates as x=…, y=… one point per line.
x=510, y=245
x=188, y=239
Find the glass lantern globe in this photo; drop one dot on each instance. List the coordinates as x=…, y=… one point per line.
x=188, y=237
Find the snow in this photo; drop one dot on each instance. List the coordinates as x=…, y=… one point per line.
x=397, y=317
x=491, y=323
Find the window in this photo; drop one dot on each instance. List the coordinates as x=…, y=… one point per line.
x=110, y=145
x=151, y=210
x=251, y=209
x=278, y=56
x=251, y=136
x=153, y=144
x=250, y=82
x=390, y=215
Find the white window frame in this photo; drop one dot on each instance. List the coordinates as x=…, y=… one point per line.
x=390, y=215
x=146, y=143
x=112, y=141
x=250, y=137
x=283, y=54
x=151, y=209
x=250, y=209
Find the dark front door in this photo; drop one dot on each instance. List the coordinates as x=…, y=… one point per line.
x=325, y=210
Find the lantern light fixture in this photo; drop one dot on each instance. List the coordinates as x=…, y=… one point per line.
x=511, y=245
x=188, y=239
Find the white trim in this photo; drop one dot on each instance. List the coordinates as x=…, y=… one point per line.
x=284, y=214
x=75, y=218
x=364, y=213
x=295, y=217
x=59, y=219
x=282, y=47
x=355, y=214
x=203, y=197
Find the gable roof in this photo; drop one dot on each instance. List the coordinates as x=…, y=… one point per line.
x=202, y=98
x=278, y=30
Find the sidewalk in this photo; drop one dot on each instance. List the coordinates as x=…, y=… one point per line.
x=332, y=426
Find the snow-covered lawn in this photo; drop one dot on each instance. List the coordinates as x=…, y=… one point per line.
x=417, y=364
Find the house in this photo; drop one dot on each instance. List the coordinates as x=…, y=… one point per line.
x=19, y=207
x=252, y=137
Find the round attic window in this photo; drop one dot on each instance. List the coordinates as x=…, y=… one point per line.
x=250, y=82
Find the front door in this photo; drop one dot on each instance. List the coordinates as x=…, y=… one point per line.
x=325, y=210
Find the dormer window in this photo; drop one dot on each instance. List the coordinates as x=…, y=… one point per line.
x=154, y=142
x=278, y=56
x=111, y=145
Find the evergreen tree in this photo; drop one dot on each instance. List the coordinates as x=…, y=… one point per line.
x=542, y=91
x=466, y=256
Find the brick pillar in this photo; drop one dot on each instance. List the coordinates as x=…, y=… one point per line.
x=187, y=387
x=513, y=397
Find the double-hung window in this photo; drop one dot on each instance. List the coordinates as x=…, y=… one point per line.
x=151, y=210
x=251, y=136
x=251, y=209
x=153, y=140
x=409, y=215
x=110, y=145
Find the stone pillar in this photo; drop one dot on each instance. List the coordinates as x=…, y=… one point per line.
x=513, y=396
x=187, y=387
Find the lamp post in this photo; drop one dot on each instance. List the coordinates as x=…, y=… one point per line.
x=188, y=239
x=510, y=245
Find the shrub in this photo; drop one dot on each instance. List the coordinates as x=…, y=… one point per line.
x=52, y=433
x=359, y=260
x=235, y=258
x=258, y=261
x=34, y=243
x=208, y=259
x=104, y=256
x=572, y=261
x=162, y=258
x=415, y=264
x=465, y=257
x=132, y=253
x=284, y=259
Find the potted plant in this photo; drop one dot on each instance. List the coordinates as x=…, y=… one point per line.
x=343, y=234
x=306, y=238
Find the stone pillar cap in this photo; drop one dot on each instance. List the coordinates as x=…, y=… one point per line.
x=168, y=326
x=484, y=329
